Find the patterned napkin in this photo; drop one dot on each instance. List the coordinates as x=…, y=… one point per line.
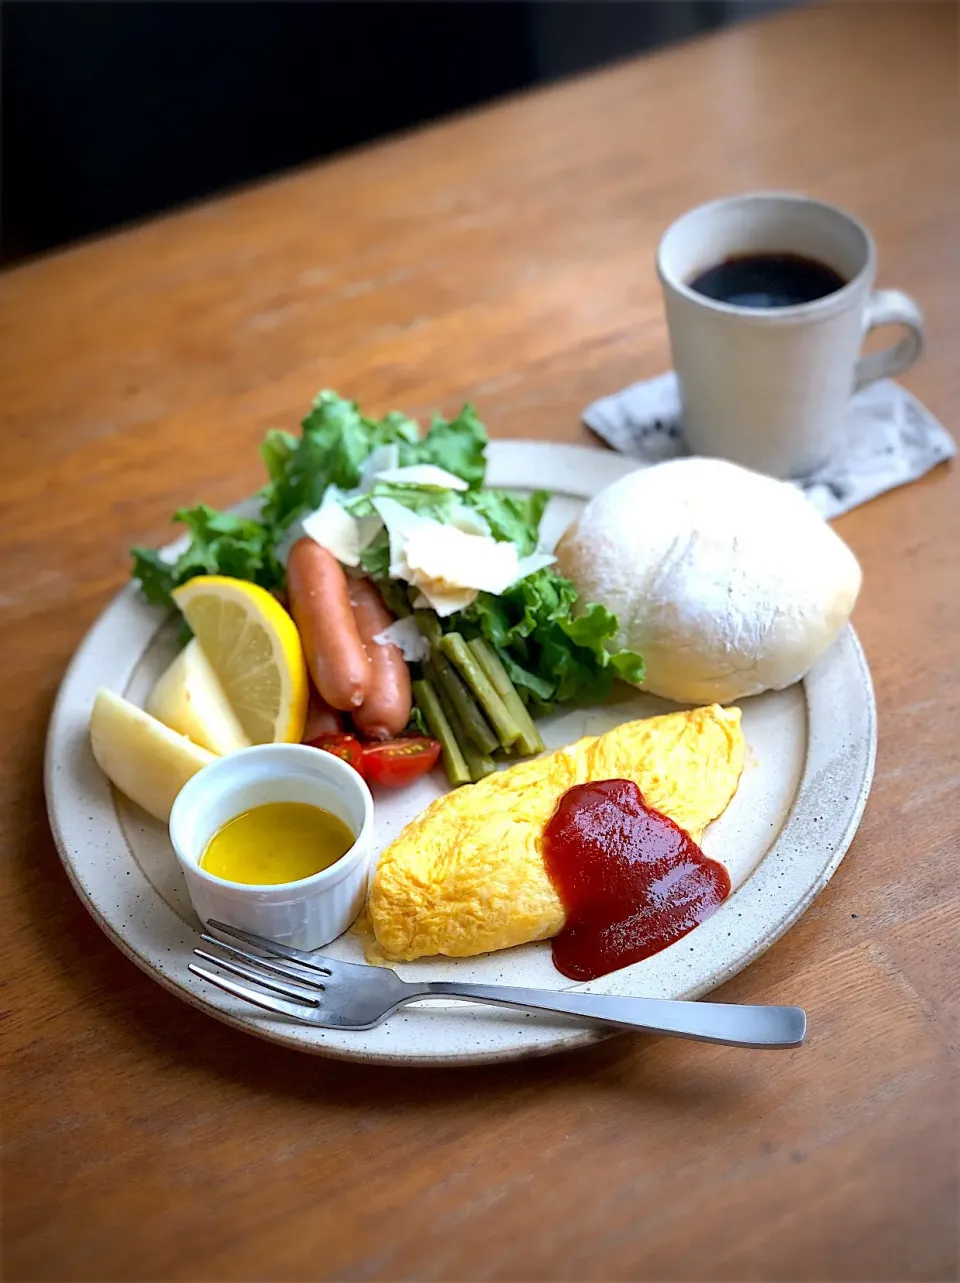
x=890, y=439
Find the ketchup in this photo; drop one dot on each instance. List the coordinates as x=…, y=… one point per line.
x=631, y=881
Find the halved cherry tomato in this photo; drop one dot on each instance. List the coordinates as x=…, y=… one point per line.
x=347, y=747
x=398, y=762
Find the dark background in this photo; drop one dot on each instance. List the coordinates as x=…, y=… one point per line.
x=115, y=111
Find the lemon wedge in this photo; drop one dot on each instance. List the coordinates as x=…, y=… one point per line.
x=254, y=648
x=189, y=698
x=145, y=759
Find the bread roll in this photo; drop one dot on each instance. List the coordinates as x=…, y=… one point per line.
x=727, y=582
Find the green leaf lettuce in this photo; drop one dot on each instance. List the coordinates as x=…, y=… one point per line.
x=554, y=650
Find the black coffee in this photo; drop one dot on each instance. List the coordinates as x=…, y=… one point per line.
x=767, y=280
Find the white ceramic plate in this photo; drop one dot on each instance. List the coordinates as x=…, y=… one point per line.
x=809, y=764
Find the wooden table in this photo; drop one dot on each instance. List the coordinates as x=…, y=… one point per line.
x=505, y=257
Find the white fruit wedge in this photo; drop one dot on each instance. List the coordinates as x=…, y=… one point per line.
x=189, y=698
x=144, y=759
x=255, y=650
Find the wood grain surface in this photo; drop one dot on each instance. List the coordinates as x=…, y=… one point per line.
x=505, y=257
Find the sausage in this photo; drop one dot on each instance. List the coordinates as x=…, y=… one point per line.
x=386, y=709
x=320, y=605
x=321, y=718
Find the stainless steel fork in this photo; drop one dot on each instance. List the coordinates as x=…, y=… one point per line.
x=330, y=994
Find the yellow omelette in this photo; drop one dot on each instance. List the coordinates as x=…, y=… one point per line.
x=467, y=875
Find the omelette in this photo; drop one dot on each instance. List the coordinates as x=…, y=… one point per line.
x=467, y=875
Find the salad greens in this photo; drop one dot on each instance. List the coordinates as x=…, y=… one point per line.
x=551, y=652
x=220, y=544
x=336, y=442
x=551, y=655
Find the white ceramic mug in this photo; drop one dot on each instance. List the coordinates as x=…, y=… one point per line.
x=768, y=387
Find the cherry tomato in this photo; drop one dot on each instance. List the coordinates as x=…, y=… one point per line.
x=347, y=747
x=395, y=763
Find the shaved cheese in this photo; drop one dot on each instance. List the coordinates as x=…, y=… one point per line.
x=334, y=529
x=383, y=459
x=445, y=601
x=290, y=536
x=370, y=527
x=469, y=520
x=447, y=564
x=527, y=566
x=399, y=519
x=425, y=475
x=459, y=560
x=400, y=522
x=405, y=634
x=337, y=530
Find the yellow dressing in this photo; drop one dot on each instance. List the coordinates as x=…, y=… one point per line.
x=276, y=842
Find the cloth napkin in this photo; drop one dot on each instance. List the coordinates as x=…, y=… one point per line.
x=889, y=439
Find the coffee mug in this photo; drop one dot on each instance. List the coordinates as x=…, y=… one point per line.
x=765, y=379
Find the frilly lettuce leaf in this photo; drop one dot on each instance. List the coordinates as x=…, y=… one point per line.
x=332, y=448
x=459, y=445
x=551, y=654
x=510, y=516
x=553, y=650
x=220, y=544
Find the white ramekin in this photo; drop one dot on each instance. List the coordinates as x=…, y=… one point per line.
x=305, y=914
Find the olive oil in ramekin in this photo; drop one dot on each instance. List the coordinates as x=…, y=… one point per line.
x=275, y=843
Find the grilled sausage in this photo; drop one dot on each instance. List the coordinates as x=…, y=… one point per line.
x=385, y=710
x=320, y=604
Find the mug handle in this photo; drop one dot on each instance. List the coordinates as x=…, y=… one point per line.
x=890, y=307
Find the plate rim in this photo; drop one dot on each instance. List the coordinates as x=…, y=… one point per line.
x=499, y=452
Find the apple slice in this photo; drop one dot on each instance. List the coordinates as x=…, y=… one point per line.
x=144, y=759
x=189, y=698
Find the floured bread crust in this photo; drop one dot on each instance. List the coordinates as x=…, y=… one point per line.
x=728, y=582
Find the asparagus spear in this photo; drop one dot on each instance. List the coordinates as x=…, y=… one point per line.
x=488, y=659
x=473, y=721
x=454, y=762
x=445, y=678
x=456, y=649
x=429, y=626
x=479, y=764
x=394, y=598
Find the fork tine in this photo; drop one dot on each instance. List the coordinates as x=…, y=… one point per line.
x=275, y=968
x=272, y=947
x=254, y=996
x=247, y=973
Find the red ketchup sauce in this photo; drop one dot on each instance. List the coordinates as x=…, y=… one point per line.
x=631, y=881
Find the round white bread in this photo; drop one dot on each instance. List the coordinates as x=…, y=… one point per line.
x=727, y=582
